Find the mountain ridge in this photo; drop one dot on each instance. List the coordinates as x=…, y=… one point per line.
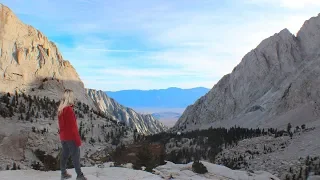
x=259, y=91
x=144, y=123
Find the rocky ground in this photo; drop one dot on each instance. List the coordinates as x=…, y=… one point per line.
x=275, y=155
x=167, y=171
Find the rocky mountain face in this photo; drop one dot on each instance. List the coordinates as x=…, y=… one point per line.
x=29, y=61
x=276, y=83
x=145, y=124
x=33, y=77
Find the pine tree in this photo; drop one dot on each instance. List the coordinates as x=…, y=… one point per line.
x=111, y=134
x=92, y=141
x=144, y=158
x=289, y=127
x=14, y=166
x=300, y=173
x=13, y=101
x=135, y=135
x=45, y=114
x=5, y=99
x=307, y=161
x=11, y=111
x=306, y=172
x=32, y=113
x=107, y=137
x=162, y=157
x=28, y=116
x=287, y=177
x=53, y=115
x=16, y=94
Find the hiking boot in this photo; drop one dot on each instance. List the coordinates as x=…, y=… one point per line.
x=65, y=176
x=81, y=177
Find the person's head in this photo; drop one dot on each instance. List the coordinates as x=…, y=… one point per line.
x=67, y=100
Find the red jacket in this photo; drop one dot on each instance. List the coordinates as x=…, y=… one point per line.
x=68, y=126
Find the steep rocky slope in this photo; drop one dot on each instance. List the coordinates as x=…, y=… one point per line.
x=145, y=124
x=276, y=83
x=28, y=59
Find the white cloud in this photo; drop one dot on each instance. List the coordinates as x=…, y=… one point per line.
x=292, y=4
x=299, y=3
x=200, y=40
x=109, y=50
x=140, y=83
x=199, y=49
x=145, y=73
x=216, y=49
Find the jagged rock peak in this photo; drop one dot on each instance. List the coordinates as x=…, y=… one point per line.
x=145, y=124
x=309, y=36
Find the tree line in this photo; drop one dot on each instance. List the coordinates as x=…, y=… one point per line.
x=207, y=144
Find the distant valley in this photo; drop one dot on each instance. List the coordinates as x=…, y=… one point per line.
x=167, y=118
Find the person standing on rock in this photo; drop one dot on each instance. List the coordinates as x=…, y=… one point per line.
x=69, y=136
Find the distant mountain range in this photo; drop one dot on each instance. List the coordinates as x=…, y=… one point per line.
x=161, y=98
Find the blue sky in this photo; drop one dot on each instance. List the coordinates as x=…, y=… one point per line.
x=155, y=44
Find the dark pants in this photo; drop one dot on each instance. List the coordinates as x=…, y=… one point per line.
x=70, y=148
